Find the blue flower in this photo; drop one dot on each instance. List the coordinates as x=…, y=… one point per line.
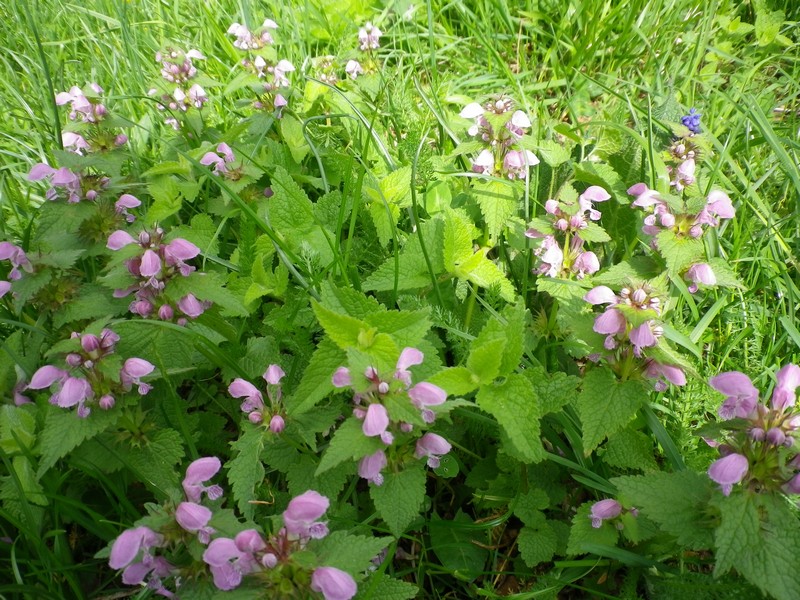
x=692, y=121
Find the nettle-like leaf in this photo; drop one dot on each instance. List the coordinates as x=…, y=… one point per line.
x=156, y=460
x=606, y=405
x=246, y=470
x=680, y=252
x=677, y=502
x=386, y=199
x=469, y=265
x=629, y=449
x=348, y=443
x=537, y=541
x=513, y=404
x=554, y=390
x=316, y=383
x=411, y=269
x=291, y=214
x=759, y=536
x=400, y=497
x=387, y=588
x=63, y=431
x=351, y=553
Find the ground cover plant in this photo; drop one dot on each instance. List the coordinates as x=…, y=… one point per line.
x=393, y=300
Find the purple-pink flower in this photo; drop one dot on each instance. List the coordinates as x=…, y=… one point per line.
x=301, y=515
x=742, y=396
x=370, y=467
x=728, y=471
x=603, y=511
x=433, y=447
x=198, y=472
x=333, y=583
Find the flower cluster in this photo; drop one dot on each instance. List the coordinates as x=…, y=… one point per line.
x=86, y=132
x=369, y=407
x=75, y=186
x=630, y=324
x=253, y=405
x=501, y=129
x=561, y=252
x=759, y=449
x=154, y=267
x=692, y=121
x=271, y=76
x=368, y=41
x=608, y=510
x=87, y=381
x=222, y=160
x=683, y=222
x=176, y=92
x=230, y=560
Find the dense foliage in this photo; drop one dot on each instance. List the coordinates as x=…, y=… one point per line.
x=341, y=300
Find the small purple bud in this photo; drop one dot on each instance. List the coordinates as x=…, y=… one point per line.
x=776, y=436
x=107, y=402
x=604, y=510
x=341, y=378
x=276, y=424
x=73, y=360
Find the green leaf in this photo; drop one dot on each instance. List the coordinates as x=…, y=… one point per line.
x=768, y=24
x=387, y=588
x=157, y=460
x=348, y=443
x=406, y=327
x=680, y=252
x=64, y=430
x=349, y=301
x=316, y=383
x=511, y=333
x=166, y=198
x=453, y=542
x=400, y=497
x=458, y=235
x=606, y=405
x=17, y=426
x=553, y=391
x=726, y=276
x=302, y=477
x=208, y=286
x=484, y=360
x=630, y=449
x=677, y=502
x=593, y=233
x=498, y=204
x=202, y=233
x=760, y=538
x=456, y=381
x=582, y=531
x=92, y=302
x=292, y=133
x=537, y=542
x=605, y=176
x=245, y=470
x=513, y=404
x=351, y=553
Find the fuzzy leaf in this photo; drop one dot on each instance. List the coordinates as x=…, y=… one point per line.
x=453, y=543
x=498, y=204
x=537, y=542
x=605, y=405
x=630, y=449
x=400, y=497
x=351, y=553
x=246, y=470
x=680, y=252
x=387, y=588
x=513, y=404
x=675, y=501
x=456, y=381
x=316, y=383
x=348, y=443
x=64, y=430
x=302, y=477
x=157, y=460
x=582, y=531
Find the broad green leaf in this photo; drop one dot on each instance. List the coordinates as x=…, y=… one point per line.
x=166, y=198
x=348, y=443
x=316, y=382
x=349, y=301
x=17, y=426
x=302, y=477
x=344, y=330
x=605, y=176
x=92, y=302
x=511, y=333
x=387, y=588
x=680, y=252
x=768, y=24
x=513, y=404
x=406, y=327
x=400, y=497
x=553, y=391
x=292, y=133
x=606, y=405
x=498, y=203
x=64, y=430
x=677, y=502
x=529, y=505
x=246, y=470
x=484, y=273
x=202, y=233
x=458, y=235
x=456, y=381
x=351, y=553
x=537, y=542
x=157, y=460
x=629, y=449
x=725, y=274
x=593, y=233
x=453, y=542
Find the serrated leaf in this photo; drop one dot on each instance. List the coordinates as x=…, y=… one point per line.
x=680, y=252
x=675, y=501
x=316, y=382
x=537, y=542
x=582, y=531
x=484, y=273
x=629, y=449
x=484, y=360
x=603, y=175
x=511, y=333
x=302, y=477
x=292, y=133
x=351, y=553
x=17, y=426
x=246, y=470
x=349, y=301
x=166, y=198
x=552, y=153
x=406, y=327
x=768, y=24
x=387, y=588
x=156, y=460
x=593, y=233
x=208, y=286
x=606, y=405
x=348, y=443
x=726, y=276
x=513, y=404
x=459, y=232
x=553, y=391
x=529, y=506
x=498, y=204
x=456, y=381
x=92, y=302
x=400, y=497
x=64, y=430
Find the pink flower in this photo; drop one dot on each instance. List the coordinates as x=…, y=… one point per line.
x=300, y=516
x=742, y=396
x=228, y=563
x=194, y=518
x=132, y=372
x=728, y=471
x=369, y=39
x=198, y=472
x=341, y=378
x=671, y=373
x=376, y=420
x=409, y=357
x=273, y=375
x=353, y=69
x=784, y=394
x=333, y=583
x=370, y=467
x=434, y=447
x=700, y=273
x=604, y=510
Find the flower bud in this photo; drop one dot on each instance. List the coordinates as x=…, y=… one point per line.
x=277, y=424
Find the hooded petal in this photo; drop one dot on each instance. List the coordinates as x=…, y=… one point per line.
x=427, y=394
x=192, y=517
x=471, y=111
x=611, y=322
x=376, y=420
x=45, y=377
x=601, y=295
x=728, y=471
x=119, y=239
x=785, y=390
x=333, y=583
